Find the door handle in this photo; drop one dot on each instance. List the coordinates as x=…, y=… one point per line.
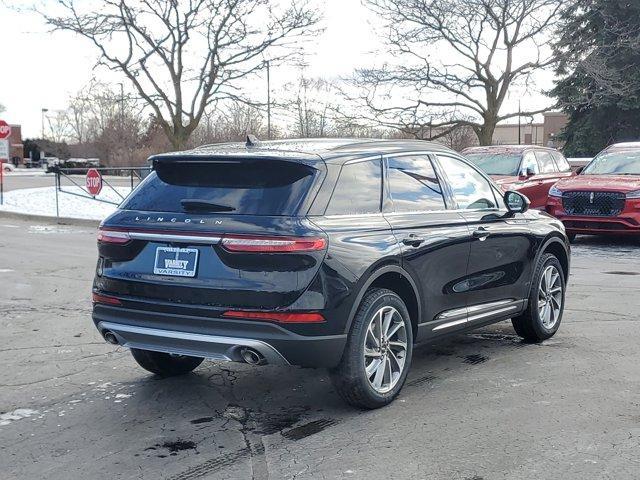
x=481, y=233
x=413, y=240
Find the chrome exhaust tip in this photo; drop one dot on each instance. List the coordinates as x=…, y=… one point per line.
x=252, y=357
x=110, y=337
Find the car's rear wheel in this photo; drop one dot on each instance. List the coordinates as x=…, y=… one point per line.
x=377, y=356
x=165, y=364
x=543, y=315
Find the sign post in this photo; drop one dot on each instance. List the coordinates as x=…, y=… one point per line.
x=93, y=181
x=5, y=153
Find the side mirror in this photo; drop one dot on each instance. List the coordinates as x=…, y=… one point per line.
x=516, y=202
x=579, y=170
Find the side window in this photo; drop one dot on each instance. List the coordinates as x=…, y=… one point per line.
x=414, y=185
x=546, y=162
x=529, y=161
x=470, y=189
x=358, y=190
x=561, y=162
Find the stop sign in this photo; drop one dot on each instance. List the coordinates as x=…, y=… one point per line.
x=94, y=181
x=5, y=130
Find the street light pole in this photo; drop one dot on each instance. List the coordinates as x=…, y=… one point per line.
x=43, y=111
x=121, y=104
x=268, y=101
x=519, y=141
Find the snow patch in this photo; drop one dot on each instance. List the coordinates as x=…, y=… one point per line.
x=17, y=414
x=42, y=201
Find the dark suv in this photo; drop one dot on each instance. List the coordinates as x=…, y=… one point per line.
x=322, y=253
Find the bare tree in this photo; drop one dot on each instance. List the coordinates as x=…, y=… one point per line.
x=232, y=122
x=183, y=56
x=457, y=59
x=57, y=126
x=458, y=138
x=312, y=108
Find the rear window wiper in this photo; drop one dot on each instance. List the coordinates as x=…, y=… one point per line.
x=204, y=205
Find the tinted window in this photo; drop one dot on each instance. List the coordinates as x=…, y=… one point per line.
x=545, y=159
x=496, y=163
x=470, y=189
x=414, y=185
x=561, y=162
x=529, y=162
x=247, y=187
x=358, y=189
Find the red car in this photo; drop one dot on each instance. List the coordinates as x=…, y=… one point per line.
x=604, y=198
x=529, y=169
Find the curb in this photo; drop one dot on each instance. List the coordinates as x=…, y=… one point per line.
x=81, y=222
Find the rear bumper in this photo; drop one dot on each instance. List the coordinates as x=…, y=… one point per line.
x=217, y=339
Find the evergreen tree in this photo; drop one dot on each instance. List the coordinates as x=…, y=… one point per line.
x=599, y=47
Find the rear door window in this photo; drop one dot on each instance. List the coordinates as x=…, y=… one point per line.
x=545, y=159
x=358, y=189
x=245, y=187
x=414, y=185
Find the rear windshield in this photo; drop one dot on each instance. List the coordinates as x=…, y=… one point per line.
x=247, y=187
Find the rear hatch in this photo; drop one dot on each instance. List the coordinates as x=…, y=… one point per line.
x=215, y=232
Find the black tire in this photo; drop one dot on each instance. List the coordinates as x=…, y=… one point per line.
x=164, y=364
x=530, y=325
x=349, y=377
x=571, y=237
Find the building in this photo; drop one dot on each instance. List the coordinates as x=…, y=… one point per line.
x=16, y=147
x=543, y=133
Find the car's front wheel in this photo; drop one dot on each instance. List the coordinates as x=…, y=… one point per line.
x=165, y=364
x=377, y=356
x=543, y=315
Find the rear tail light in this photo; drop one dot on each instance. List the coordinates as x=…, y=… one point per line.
x=278, y=317
x=97, y=298
x=113, y=236
x=258, y=244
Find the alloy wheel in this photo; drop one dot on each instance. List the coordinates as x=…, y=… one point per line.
x=385, y=349
x=550, y=297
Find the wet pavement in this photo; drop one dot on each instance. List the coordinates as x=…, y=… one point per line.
x=478, y=406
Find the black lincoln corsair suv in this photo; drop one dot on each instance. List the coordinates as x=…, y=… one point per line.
x=321, y=253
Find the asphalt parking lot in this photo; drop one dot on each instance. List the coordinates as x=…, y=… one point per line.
x=479, y=406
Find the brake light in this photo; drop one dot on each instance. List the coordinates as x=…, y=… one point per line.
x=97, y=298
x=113, y=236
x=259, y=244
x=278, y=317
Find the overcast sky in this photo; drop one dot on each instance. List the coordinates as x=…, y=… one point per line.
x=42, y=69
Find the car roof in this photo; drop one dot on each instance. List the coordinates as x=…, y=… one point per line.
x=506, y=148
x=334, y=150
x=623, y=146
